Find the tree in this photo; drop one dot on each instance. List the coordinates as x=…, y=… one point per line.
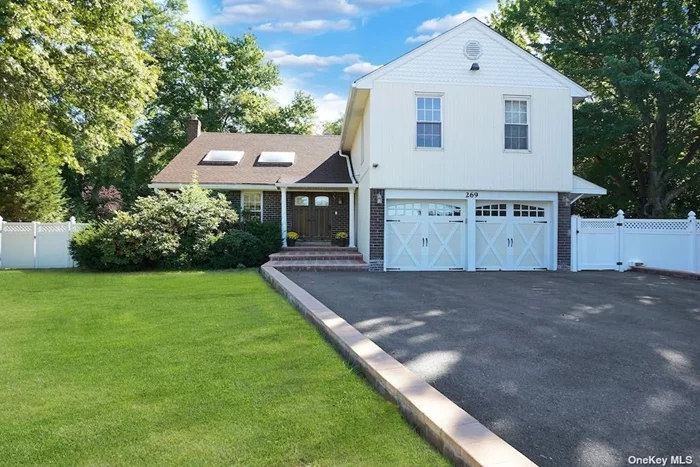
x=31, y=154
x=297, y=118
x=74, y=79
x=220, y=79
x=640, y=134
x=333, y=127
x=80, y=63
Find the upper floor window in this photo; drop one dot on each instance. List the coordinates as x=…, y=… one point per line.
x=517, y=124
x=251, y=202
x=429, y=121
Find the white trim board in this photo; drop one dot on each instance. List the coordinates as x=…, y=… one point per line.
x=461, y=194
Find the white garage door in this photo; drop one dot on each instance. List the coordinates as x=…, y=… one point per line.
x=425, y=235
x=512, y=236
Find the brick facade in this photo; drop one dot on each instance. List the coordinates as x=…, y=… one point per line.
x=234, y=197
x=564, y=232
x=340, y=216
x=272, y=206
x=376, y=230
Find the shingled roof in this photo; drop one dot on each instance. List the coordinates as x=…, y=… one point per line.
x=317, y=161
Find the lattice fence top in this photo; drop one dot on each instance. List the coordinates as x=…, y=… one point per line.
x=52, y=228
x=598, y=224
x=657, y=225
x=17, y=227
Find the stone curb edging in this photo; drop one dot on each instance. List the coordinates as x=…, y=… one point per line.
x=667, y=272
x=450, y=429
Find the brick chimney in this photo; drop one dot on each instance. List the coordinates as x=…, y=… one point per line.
x=194, y=128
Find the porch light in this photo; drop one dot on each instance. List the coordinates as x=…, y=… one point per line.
x=475, y=67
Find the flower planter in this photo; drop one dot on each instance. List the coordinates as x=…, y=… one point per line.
x=291, y=242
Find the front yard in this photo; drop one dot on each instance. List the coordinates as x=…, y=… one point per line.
x=180, y=368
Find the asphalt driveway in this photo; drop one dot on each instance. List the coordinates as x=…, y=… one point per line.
x=580, y=369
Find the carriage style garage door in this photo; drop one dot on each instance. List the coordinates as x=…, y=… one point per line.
x=425, y=235
x=512, y=236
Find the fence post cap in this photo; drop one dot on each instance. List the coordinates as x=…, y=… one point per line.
x=620, y=212
x=0, y=218
x=691, y=215
x=72, y=219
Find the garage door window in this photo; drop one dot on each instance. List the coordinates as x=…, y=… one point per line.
x=444, y=210
x=408, y=209
x=523, y=210
x=491, y=210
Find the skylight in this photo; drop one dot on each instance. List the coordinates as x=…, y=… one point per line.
x=223, y=157
x=276, y=158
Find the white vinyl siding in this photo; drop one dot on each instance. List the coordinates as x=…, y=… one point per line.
x=428, y=121
x=252, y=203
x=517, y=124
x=473, y=156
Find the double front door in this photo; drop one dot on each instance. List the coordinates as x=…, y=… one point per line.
x=311, y=216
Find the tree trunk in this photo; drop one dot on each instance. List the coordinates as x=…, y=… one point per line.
x=656, y=205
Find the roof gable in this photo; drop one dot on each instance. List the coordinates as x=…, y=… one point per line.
x=442, y=60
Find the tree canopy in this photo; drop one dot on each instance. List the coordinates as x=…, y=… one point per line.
x=94, y=98
x=639, y=135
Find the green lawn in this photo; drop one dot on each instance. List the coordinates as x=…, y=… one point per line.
x=180, y=368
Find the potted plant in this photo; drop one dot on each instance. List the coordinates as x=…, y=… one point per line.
x=341, y=238
x=292, y=238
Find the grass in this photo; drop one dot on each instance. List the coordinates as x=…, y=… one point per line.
x=180, y=368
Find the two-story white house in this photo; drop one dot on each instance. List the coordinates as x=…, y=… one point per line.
x=456, y=156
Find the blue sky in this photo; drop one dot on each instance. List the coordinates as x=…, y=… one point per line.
x=322, y=46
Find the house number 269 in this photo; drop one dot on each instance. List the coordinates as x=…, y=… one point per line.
x=472, y=194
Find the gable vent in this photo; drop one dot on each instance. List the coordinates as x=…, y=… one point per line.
x=472, y=50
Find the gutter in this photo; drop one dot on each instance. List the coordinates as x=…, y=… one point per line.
x=346, y=117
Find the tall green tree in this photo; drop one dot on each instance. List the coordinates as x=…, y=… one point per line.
x=334, y=127
x=220, y=79
x=297, y=118
x=639, y=136
x=31, y=156
x=73, y=75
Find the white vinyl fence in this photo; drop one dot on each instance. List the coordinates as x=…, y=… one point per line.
x=619, y=243
x=35, y=245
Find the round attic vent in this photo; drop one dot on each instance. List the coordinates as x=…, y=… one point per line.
x=472, y=50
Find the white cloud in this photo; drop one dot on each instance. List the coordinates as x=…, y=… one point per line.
x=316, y=26
x=196, y=11
x=247, y=11
x=434, y=27
x=330, y=107
x=360, y=68
x=284, y=59
x=421, y=38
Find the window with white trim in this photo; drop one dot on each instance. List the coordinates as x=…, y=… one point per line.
x=517, y=124
x=429, y=122
x=252, y=204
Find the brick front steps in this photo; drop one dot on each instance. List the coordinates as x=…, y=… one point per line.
x=322, y=258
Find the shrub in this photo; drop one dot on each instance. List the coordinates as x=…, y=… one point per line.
x=237, y=248
x=85, y=248
x=269, y=233
x=172, y=230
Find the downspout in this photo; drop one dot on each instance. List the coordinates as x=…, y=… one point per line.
x=351, y=169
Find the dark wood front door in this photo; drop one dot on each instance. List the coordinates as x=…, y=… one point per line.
x=311, y=216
